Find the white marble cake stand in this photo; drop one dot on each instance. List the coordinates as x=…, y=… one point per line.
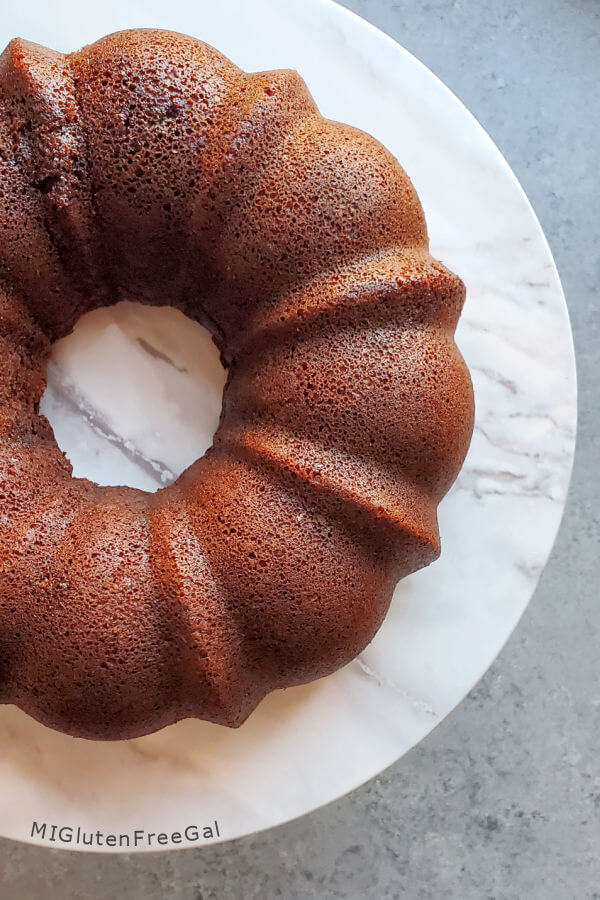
x=145, y=406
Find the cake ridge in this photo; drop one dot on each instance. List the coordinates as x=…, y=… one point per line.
x=58, y=158
x=228, y=688
x=254, y=443
x=277, y=322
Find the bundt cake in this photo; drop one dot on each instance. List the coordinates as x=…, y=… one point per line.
x=148, y=167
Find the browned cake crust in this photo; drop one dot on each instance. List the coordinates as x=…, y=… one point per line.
x=148, y=167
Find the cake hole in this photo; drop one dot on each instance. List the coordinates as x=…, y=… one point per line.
x=134, y=395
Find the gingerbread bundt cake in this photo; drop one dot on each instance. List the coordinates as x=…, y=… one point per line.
x=149, y=167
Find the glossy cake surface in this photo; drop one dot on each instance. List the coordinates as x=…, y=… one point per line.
x=149, y=166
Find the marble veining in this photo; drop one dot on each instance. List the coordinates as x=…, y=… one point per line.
x=134, y=396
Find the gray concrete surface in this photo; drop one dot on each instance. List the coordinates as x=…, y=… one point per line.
x=502, y=801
